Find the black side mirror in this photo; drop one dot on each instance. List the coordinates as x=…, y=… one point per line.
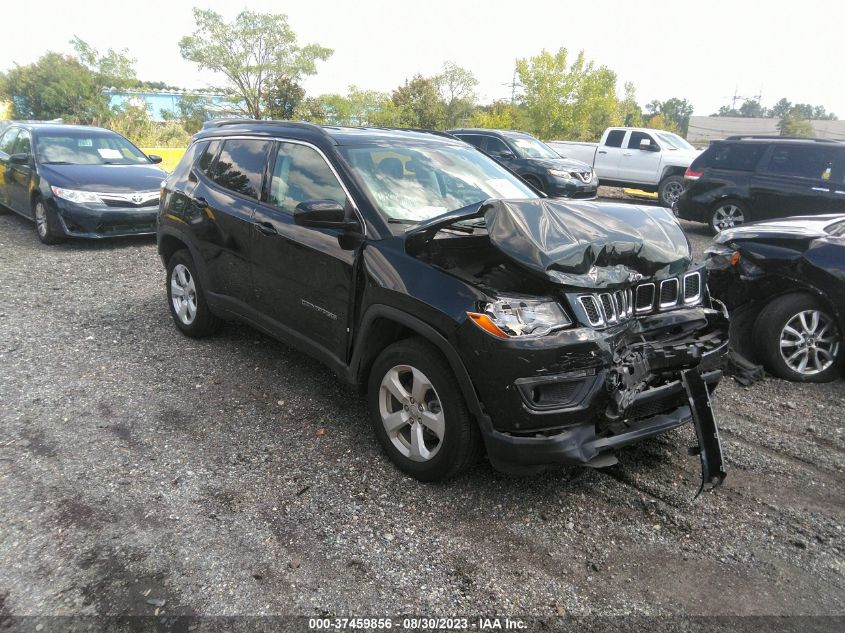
x=322, y=214
x=647, y=146
x=155, y=159
x=20, y=159
x=505, y=155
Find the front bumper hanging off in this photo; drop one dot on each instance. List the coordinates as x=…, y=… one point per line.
x=709, y=447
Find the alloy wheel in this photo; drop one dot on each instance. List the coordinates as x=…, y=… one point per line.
x=809, y=342
x=411, y=413
x=728, y=216
x=183, y=294
x=41, y=219
x=672, y=192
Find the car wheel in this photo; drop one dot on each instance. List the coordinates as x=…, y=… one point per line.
x=47, y=224
x=418, y=413
x=670, y=190
x=727, y=214
x=797, y=339
x=186, y=298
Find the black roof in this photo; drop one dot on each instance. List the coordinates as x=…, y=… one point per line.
x=331, y=134
x=492, y=132
x=764, y=138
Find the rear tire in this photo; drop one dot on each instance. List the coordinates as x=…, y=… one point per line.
x=669, y=190
x=47, y=224
x=186, y=298
x=418, y=412
x=727, y=214
x=797, y=339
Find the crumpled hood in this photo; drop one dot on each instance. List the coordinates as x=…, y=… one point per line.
x=589, y=245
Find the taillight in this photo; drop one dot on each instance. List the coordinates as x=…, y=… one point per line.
x=691, y=174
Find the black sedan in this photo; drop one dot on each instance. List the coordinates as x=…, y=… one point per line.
x=784, y=284
x=78, y=181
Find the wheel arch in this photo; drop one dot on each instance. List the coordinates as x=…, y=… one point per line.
x=672, y=170
x=383, y=325
x=170, y=241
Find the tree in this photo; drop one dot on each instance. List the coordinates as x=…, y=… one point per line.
x=752, y=108
x=456, y=86
x=500, y=115
x=629, y=110
x=255, y=53
x=793, y=125
x=56, y=86
x=418, y=102
x=284, y=98
x=560, y=100
x=115, y=69
x=675, y=114
x=190, y=111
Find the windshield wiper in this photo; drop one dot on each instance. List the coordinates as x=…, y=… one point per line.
x=400, y=221
x=56, y=162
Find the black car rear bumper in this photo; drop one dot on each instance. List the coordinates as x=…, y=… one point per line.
x=80, y=221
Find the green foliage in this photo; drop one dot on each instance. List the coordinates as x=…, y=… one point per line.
x=673, y=115
x=114, y=69
x=456, y=87
x=500, y=115
x=629, y=110
x=793, y=125
x=781, y=110
x=284, y=98
x=56, y=86
x=134, y=123
x=574, y=101
x=418, y=103
x=255, y=53
x=190, y=112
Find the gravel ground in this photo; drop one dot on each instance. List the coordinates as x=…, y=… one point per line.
x=235, y=476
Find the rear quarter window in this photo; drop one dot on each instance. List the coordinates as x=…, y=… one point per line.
x=731, y=156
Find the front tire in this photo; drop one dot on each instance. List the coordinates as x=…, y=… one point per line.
x=797, y=339
x=47, y=224
x=669, y=190
x=186, y=298
x=418, y=413
x=535, y=182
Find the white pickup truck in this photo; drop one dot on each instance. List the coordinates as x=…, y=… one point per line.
x=651, y=160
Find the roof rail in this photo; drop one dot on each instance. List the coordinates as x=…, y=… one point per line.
x=302, y=125
x=423, y=131
x=772, y=137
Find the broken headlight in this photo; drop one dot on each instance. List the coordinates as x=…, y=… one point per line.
x=722, y=257
x=511, y=317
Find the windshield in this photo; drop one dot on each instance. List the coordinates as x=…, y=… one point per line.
x=417, y=183
x=532, y=148
x=87, y=149
x=673, y=141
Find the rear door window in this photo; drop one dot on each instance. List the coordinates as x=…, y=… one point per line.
x=802, y=161
x=475, y=140
x=732, y=156
x=240, y=166
x=300, y=174
x=615, y=138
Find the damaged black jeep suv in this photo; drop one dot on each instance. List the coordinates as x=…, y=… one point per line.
x=473, y=313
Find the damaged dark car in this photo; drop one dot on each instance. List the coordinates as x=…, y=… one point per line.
x=784, y=284
x=474, y=314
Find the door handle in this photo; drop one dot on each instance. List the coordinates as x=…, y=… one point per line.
x=626, y=153
x=265, y=228
x=602, y=152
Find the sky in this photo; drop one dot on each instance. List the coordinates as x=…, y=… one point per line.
x=701, y=51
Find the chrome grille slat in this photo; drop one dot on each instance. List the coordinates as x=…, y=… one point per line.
x=692, y=287
x=668, y=293
x=645, y=298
